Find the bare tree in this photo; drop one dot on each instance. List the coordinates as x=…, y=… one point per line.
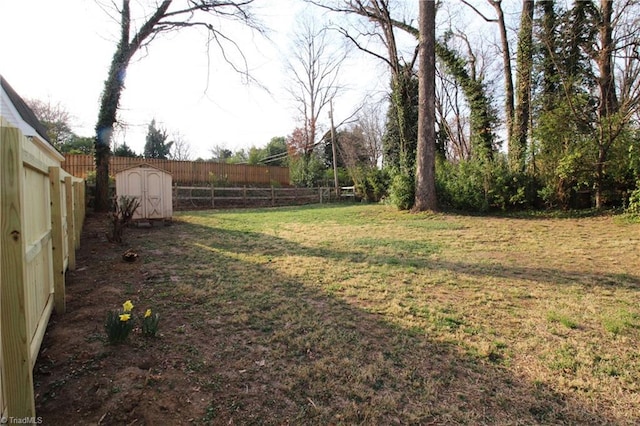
x=313, y=69
x=377, y=37
x=425, y=198
x=55, y=118
x=371, y=120
x=164, y=16
x=451, y=119
x=181, y=149
x=220, y=153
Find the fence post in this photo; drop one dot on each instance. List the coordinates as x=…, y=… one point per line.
x=213, y=195
x=320, y=191
x=56, y=240
x=17, y=375
x=273, y=196
x=71, y=228
x=80, y=203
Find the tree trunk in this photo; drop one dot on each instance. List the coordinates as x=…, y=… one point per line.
x=110, y=99
x=524, y=67
x=104, y=128
x=425, y=198
x=608, y=100
x=506, y=67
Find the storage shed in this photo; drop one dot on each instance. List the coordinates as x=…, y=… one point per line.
x=151, y=186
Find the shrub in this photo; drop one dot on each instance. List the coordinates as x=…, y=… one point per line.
x=633, y=208
x=462, y=185
x=370, y=183
x=120, y=217
x=402, y=191
x=476, y=185
x=307, y=172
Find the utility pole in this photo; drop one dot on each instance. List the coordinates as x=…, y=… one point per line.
x=333, y=150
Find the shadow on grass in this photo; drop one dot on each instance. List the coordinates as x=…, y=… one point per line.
x=283, y=352
x=416, y=256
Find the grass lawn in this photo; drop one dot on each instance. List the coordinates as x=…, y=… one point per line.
x=361, y=314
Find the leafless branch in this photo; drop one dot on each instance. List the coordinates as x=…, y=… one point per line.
x=493, y=3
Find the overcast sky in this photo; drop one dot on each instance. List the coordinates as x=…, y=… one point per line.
x=59, y=51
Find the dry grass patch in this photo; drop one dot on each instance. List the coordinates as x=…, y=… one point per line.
x=541, y=302
x=362, y=314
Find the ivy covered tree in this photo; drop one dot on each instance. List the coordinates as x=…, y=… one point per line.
x=156, y=145
x=401, y=132
x=159, y=18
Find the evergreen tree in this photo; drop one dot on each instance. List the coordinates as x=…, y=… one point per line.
x=156, y=145
x=124, y=151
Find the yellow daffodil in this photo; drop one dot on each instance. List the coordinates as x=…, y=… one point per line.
x=127, y=306
x=147, y=313
x=125, y=317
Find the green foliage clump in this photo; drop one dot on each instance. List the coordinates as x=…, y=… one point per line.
x=90, y=179
x=125, y=150
x=462, y=185
x=78, y=145
x=219, y=181
x=633, y=208
x=306, y=171
x=371, y=184
x=344, y=179
x=480, y=185
x=402, y=191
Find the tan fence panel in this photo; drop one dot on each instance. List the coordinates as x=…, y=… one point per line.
x=187, y=172
x=37, y=203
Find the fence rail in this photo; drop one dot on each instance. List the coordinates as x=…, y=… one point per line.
x=211, y=197
x=187, y=172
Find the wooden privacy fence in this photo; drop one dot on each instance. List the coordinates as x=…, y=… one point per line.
x=187, y=172
x=41, y=212
x=189, y=197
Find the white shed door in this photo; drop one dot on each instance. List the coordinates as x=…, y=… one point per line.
x=135, y=188
x=153, y=194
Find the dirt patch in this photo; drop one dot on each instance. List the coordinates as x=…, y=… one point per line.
x=80, y=379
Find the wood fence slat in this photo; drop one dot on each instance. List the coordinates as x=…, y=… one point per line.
x=18, y=379
x=186, y=172
x=71, y=223
x=57, y=240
